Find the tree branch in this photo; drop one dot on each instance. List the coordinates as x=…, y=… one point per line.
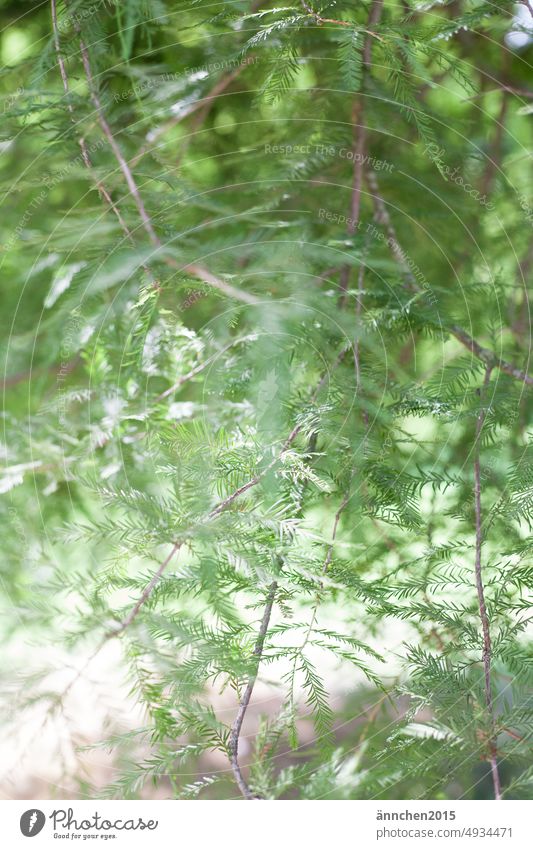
x=145, y=595
x=226, y=502
x=202, y=106
x=484, y=354
x=236, y=727
x=358, y=149
x=104, y=194
x=106, y=129
x=320, y=20
x=194, y=269
x=487, y=647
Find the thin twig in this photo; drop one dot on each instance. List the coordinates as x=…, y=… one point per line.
x=194, y=269
x=489, y=357
x=202, y=107
x=374, y=18
x=258, y=650
x=226, y=502
x=106, y=129
x=484, y=354
x=198, y=369
x=320, y=20
x=358, y=149
x=235, y=732
x=326, y=565
x=145, y=594
x=202, y=273
x=81, y=141
x=487, y=647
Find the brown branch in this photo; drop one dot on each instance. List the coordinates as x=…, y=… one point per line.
x=106, y=129
x=484, y=354
x=235, y=732
x=202, y=106
x=487, y=647
x=145, y=594
x=245, y=701
x=374, y=18
x=194, y=269
x=202, y=273
x=320, y=20
x=104, y=194
x=358, y=149
x=495, y=153
x=489, y=357
x=258, y=650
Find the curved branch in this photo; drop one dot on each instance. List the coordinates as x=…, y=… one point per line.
x=236, y=727
x=484, y=354
x=487, y=645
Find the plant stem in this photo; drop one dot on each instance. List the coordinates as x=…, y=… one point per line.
x=358, y=148
x=484, y=354
x=247, y=695
x=487, y=646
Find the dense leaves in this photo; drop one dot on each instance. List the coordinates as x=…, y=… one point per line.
x=266, y=341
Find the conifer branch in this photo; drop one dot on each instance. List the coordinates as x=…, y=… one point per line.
x=358, y=148
x=200, y=368
x=206, y=276
x=202, y=107
x=194, y=269
x=104, y=194
x=483, y=615
x=106, y=129
x=235, y=733
x=484, y=354
x=326, y=565
x=227, y=502
x=145, y=594
x=320, y=20
x=223, y=505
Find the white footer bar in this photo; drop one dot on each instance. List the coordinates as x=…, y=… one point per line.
x=267, y=825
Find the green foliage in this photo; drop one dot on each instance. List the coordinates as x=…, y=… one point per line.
x=201, y=388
